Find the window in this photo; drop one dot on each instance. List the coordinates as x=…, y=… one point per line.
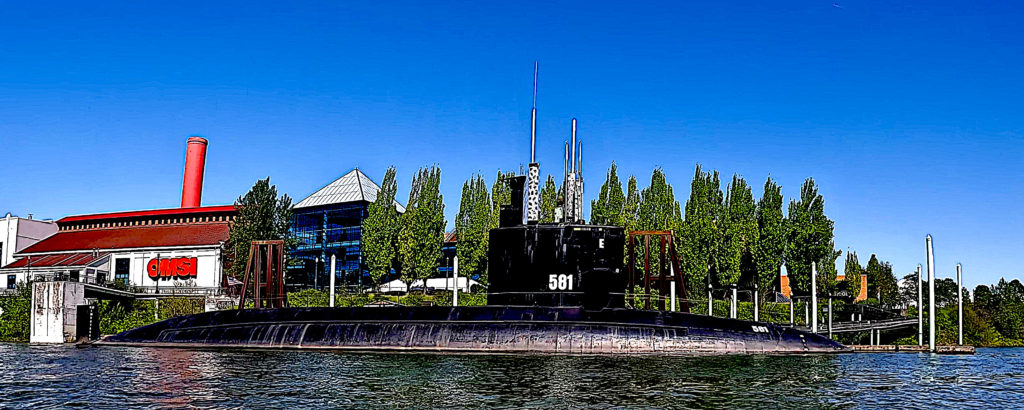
x=121, y=267
x=11, y=281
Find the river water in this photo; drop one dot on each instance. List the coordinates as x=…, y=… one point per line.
x=61, y=376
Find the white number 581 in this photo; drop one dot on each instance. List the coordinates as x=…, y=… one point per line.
x=559, y=282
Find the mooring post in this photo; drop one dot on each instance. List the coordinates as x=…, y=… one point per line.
x=732, y=303
x=959, y=306
x=672, y=287
x=814, y=298
x=757, y=302
x=920, y=308
x=334, y=261
x=931, y=294
x=455, y=287
x=792, y=311
x=711, y=303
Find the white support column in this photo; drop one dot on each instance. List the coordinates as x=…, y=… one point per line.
x=711, y=302
x=334, y=261
x=792, y=311
x=732, y=303
x=455, y=289
x=757, y=301
x=814, y=297
x=959, y=306
x=931, y=294
x=672, y=287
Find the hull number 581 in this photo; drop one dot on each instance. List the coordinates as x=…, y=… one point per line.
x=559, y=282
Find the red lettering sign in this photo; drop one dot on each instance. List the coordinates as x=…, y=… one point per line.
x=178, y=268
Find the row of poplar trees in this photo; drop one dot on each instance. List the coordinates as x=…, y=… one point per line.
x=729, y=237
x=407, y=243
x=723, y=237
x=410, y=243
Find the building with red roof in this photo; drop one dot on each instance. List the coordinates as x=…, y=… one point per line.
x=148, y=249
x=154, y=250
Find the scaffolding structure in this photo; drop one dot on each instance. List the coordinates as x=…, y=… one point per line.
x=264, y=272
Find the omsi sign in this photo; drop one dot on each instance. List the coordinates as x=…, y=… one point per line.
x=171, y=268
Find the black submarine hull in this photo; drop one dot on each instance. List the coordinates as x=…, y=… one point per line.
x=484, y=329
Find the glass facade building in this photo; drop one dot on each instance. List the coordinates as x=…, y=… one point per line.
x=328, y=223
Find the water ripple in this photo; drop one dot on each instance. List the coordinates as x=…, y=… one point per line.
x=62, y=376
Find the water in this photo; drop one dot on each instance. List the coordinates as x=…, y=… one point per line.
x=49, y=376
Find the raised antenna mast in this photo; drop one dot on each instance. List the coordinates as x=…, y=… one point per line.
x=533, y=179
x=533, y=117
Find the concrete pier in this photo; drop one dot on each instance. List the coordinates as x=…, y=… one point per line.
x=55, y=311
x=911, y=349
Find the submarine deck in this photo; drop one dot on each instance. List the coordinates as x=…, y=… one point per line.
x=477, y=329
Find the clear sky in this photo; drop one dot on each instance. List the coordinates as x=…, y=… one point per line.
x=907, y=114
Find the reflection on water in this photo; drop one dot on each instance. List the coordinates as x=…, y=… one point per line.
x=34, y=376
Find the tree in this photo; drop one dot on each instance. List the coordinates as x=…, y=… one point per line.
x=658, y=210
x=701, y=229
x=851, y=276
x=809, y=240
x=548, y=201
x=908, y=292
x=471, y=227
x=983, y=297
x=771, y=243
x=262, y=216
x=380, y=231
x=423, y=223
x=607, y=209
x=631, y=208
x=740, y=234
x=889, y=288
x=501, y=194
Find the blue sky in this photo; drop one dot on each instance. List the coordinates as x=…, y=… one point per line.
x=907, y=114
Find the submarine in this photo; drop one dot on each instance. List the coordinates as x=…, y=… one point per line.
x=558, y=288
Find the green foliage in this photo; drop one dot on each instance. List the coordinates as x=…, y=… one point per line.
x=771, y=243
x=851, y=281
x=740, y=234
x=471, y=228
x=1009, y=320
x=701, y=230
x=308, y=298
x=809, y=239
x=380, y=231
x=465, y=299
x=422, y=231
x=262, y=215
x=548, y=201
x=658, y=211
x=14, y=321
x=501, y=194
x=117, y=316
x=631, y=207
x=658, y=208
x=607, y=209
x=882, y=282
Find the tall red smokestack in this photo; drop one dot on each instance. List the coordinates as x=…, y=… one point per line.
x=195, y=160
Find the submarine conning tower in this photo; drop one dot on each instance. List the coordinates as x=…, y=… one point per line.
x=567, y=263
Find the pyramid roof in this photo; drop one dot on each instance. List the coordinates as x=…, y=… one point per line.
x=354, y=186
